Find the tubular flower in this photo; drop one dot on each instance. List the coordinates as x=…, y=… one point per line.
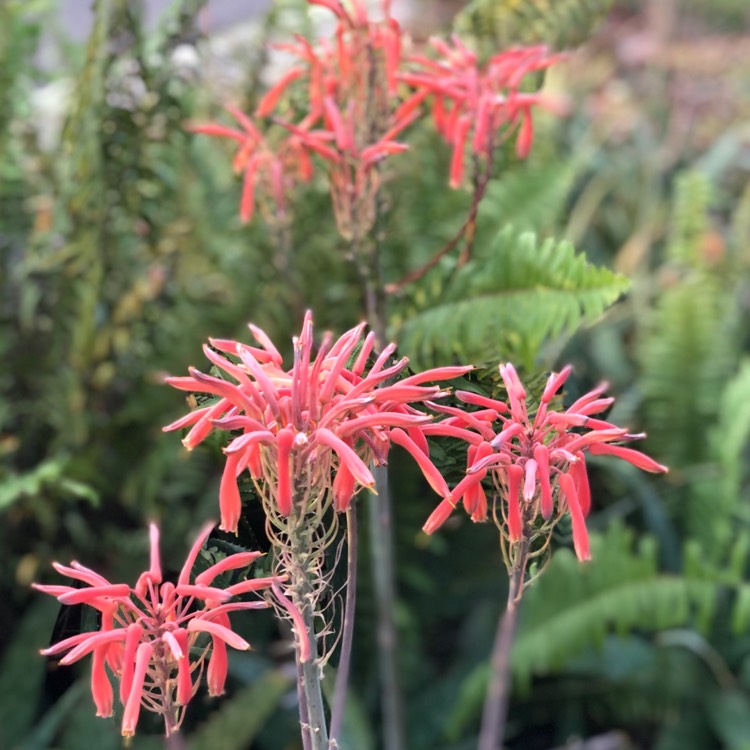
x=350, y=114
x=150, y=633
x=471, y=104
x=308, y=433
x=273, y=167
x=537, y=463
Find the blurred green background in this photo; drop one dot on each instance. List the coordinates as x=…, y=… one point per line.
x=121, y=251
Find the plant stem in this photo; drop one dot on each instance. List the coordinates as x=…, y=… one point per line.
x=174, y=741
x=303, y=571
x=304, y=718
x=342, y=674
x=381, y=535
x=316, y=720
x=495, y=711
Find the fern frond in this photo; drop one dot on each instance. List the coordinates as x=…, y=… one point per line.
x=531, y=198
x=572, y=607
x=689, y=222
x=558, y=23
x=730, y=439
x=509, y=300
x=687, y=354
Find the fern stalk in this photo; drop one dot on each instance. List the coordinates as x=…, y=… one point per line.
x=495, y=712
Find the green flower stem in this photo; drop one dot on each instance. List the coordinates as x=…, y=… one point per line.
x=495, y=714
x=381, y=540
x=303, y=569
x=316, y=720
x=342, y=674
x=303, y=716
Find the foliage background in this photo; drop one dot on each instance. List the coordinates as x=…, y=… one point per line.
x=121, y=252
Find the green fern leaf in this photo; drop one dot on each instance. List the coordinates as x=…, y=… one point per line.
x=730, y=439
x=687, y=355
x=689, y=221
x=572, y=607
x=558, y=23
x=508, y=301
x=533, y=196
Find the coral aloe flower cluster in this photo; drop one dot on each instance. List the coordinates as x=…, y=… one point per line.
x=309, y=431
x=537, y=463
x=471, y=103
x=355, y=95
x=157, y=637
x=351, y=117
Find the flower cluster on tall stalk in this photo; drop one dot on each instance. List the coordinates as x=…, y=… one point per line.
x=351, y=117
x=157, y=637
x=355, y=94
x=309, y=433
x=535, y=464
x=346, y=105
x=480, y=105
x=306, y=436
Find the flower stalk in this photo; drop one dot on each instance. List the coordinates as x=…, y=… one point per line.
x=495, y=713
x=338, y=705
x=305, y=565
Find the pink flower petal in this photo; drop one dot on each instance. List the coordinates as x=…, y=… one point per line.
x=133, y=704
x=580, y=534
x=515, y=521
x=346, y=455
x=284, y=443
x=88, y=596
x=230, y=502
x=187, y=568
x=96, y=640
x=218, y=663
x=429, y=470
x=439, y=516
x=541, y=455
x=224, y=633
x=184, y=680
x=638, y=459
x=343, y=488
x=133, y=635
x=101, y=688
x=580, y=476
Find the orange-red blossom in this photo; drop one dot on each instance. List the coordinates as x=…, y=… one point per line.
x=471, y=102
x=351, y=116
x=313, y=428
x=150, y=633
x=537, y=464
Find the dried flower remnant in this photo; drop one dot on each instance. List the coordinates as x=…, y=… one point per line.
x=537, y=463
x=307, y=434
x=478, y=106
x=157, y=637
